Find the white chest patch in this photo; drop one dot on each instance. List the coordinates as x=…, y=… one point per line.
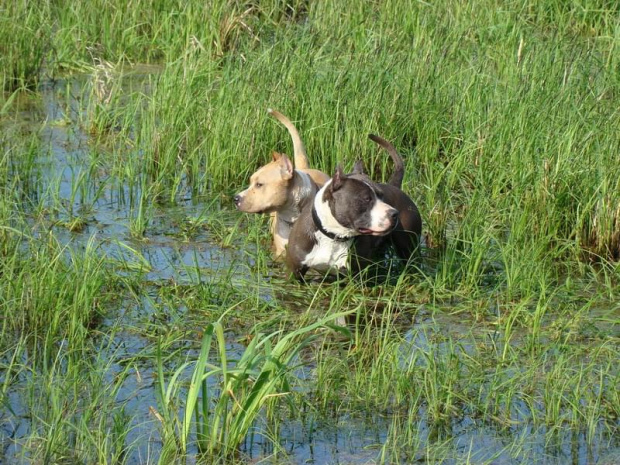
x=327, y=254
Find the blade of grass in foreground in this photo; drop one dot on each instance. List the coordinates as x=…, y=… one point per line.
x=238, y=393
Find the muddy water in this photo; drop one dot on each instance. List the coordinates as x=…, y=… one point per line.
x=171, y=258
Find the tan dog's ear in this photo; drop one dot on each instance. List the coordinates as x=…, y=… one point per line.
x=286, y=166
x=276, y=156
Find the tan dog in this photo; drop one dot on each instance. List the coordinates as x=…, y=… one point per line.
x=280, y=189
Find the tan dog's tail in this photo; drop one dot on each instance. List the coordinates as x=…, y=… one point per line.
x=299, y=154
x=396, y=179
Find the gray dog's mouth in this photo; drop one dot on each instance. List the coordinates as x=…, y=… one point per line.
x=372, y=232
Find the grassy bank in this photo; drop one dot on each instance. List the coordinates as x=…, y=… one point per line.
x=126, y=128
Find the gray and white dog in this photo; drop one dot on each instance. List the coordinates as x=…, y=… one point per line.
x=352, y=210
x=343, y=209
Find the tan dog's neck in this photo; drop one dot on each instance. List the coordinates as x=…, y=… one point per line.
x=301, y=189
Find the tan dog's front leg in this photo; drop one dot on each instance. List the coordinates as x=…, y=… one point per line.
x=278, y=246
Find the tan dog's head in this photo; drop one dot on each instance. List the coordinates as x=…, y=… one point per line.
x=268, y=189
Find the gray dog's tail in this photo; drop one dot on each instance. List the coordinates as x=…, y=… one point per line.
x=396, y=179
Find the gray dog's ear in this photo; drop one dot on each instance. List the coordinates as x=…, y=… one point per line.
x=337, y=179
x=358, y=167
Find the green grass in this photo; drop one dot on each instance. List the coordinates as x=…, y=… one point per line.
x=113, y=270
x=222, y=412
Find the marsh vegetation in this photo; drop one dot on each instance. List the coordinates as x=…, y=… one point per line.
x=142, y=319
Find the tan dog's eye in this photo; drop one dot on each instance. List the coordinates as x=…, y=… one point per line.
x=258, y=185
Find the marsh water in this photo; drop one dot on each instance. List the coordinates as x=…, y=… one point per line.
x=172, y=258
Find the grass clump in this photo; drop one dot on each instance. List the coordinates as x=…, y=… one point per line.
x=224, y=401
x=25, y=34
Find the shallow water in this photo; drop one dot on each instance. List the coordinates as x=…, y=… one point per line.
x=171, y=258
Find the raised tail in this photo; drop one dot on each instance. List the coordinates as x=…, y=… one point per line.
x=396, y=179
x=299, y=150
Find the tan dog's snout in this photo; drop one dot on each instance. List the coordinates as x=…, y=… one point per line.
x=249, y=201
x=237, y=199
